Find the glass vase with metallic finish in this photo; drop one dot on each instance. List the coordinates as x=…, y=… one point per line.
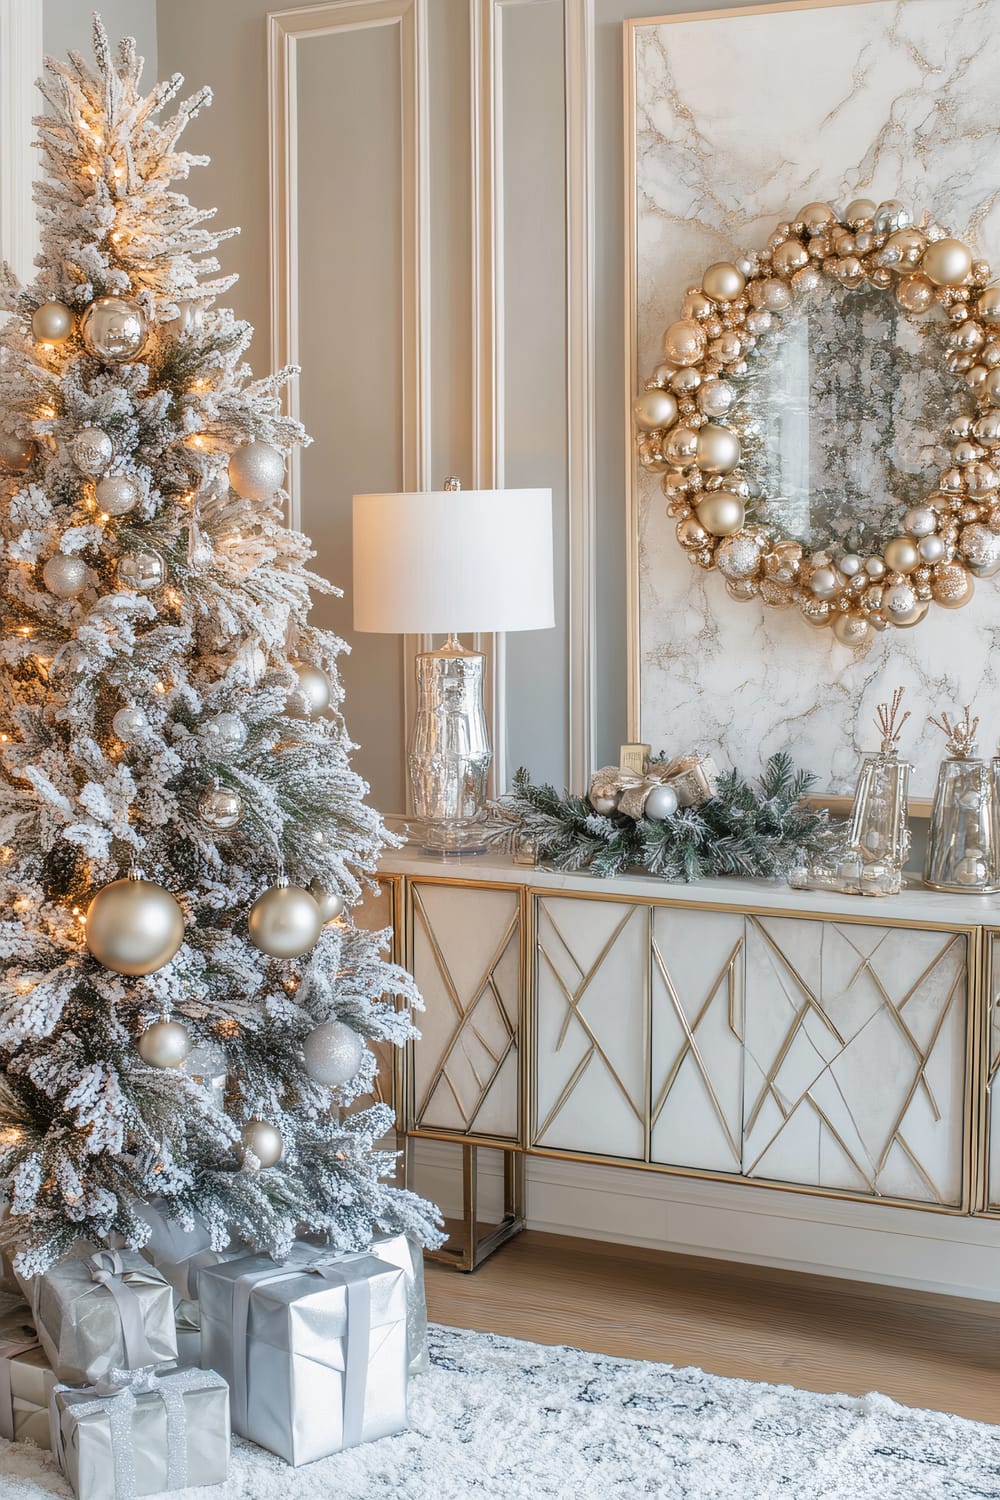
x=879, y=828
x=449, y=752
x=963, y=845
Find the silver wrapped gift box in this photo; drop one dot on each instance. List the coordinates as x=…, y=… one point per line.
x=169, y=1433
x=103, y=1312
x=315, y=1353
x=399, y=1250
x=179, y=1254
x=26, y=1380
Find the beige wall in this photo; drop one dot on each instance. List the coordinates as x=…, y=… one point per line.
x=66, y=24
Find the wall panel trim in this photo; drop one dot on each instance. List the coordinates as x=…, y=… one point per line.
x=21, y=51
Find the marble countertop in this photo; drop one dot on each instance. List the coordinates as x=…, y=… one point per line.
x=915, y=904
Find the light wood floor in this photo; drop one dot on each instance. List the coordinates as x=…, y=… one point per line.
x=816, y=1332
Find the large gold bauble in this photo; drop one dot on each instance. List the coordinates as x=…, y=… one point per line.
x=114, y=330
x=816, y=218
x=947, y=262
x=134, y=927
x=52, y=323
x=723, y=282
x=684, y=342
x=988, y=305
x=165, y=1044
x=851, y=629
x=718, y=450
x=721, y=514
x=915, y=293
x=901, y=555
x=655, y=408
x=313, y=693
x=285, y=921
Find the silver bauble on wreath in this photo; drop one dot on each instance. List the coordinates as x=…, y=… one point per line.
x=116, y=495
x=165, y=1044
x=142, y=570
x=220, y=808
x=331, y=904
x=16, y=453
x=256, y=471
x=333, y=1053
x=114, y=329
x=313, y=693
x=263, y=1140
x=91, y=450
x=661, y=802
x=222, y=735
x=284, y=922
x=65, y=576
x=52, y=322
x=130, y=724
x=134, y=926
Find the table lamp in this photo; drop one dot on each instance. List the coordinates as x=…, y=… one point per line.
x=442, y=562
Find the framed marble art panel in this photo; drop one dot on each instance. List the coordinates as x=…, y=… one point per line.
x=733, y=120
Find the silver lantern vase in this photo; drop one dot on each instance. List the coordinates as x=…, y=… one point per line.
x=963, y=845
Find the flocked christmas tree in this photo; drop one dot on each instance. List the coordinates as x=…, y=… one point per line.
x=194, y=1035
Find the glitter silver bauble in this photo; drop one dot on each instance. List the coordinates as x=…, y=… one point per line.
x=331, y=904
x=165, y=1044
x=661, y=802
x=223, y=735
x=284, y=922
x=130, y=724
x=256, y=471
x=114, y=329
x=64, y=576
x=333, y=1053
x=134, y=926
x=142, y=570
x=263, y=1140
x=901, y=605
x=981, y=549
x=313, y=693
x=16, y=453
x=116, y=495
x=738, y=556
x=220, y=808
x=91, y=450
x=890, y=216
x=52, y=322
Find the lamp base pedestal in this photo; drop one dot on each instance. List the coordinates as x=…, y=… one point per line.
x=441, y=839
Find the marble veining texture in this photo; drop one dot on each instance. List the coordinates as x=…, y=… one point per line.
x=739, y=121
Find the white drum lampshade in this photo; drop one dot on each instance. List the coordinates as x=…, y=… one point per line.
x=442, y=562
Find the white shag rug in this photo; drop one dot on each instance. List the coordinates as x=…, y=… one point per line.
x=496, y=1417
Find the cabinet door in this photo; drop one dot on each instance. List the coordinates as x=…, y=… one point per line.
x=465, y=954
x=855, y=1048
x=696, y=1055
x=591, y=1026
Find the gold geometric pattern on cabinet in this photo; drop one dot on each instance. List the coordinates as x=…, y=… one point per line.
x=465, y=954
x=591, y=1020
x=993, y=1073
x=696, y=1049
x=855, y=1052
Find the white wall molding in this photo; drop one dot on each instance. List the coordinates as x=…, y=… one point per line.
x=21, y=51
x=945, y=1253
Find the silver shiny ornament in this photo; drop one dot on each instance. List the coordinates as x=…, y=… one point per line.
x=715, y=397
x=902, y=249
x=890, y=216
x=920, y=521
x=52, y=323
x=681, y=447
x=331, y=904
x=661, y=803
x=134, y=926
x=947, y=262
x=165, y=1044
x=901, y=555
x=189, y=322
x=256, y=471
x=655, y=408
x=850, y=564
x=901, y=605
x=932, y=548
x=91, y=450
x=65, y=576
x=723, y=282
x=333, y=1052
x=16, y=453
x=130, y=724
x=313, y=693
x=142, y=570
x=116, y=495
x=987, y=428
x=220, y=808
x=114, y=329
x=717, y=450
x=721, y=514
x=980, y=548
x=223, y=735
x=685, y=381
x=263, y=1141
x=824, y=583
x=684, y=342
x=284, y=922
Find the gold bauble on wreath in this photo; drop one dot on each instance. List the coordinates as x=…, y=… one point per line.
x=134, y=926
x=686, y=432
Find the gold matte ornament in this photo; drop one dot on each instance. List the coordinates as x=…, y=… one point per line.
x=687, y=434
x=134, y=926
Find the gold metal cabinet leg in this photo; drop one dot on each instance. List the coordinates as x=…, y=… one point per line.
x=468, y=1248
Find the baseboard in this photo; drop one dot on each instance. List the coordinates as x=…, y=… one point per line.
x=952, y=1254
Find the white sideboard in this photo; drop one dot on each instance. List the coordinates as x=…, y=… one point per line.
x=728, y=1042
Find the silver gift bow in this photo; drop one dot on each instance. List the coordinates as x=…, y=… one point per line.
x=107, y=1270
x=9, y=1350
x=119, y=1405
x=342, y=1269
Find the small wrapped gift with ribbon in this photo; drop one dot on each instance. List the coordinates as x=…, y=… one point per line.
x=314, y=1350
x=154, y=1433
x=26, y=1380
x=101, y=1312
